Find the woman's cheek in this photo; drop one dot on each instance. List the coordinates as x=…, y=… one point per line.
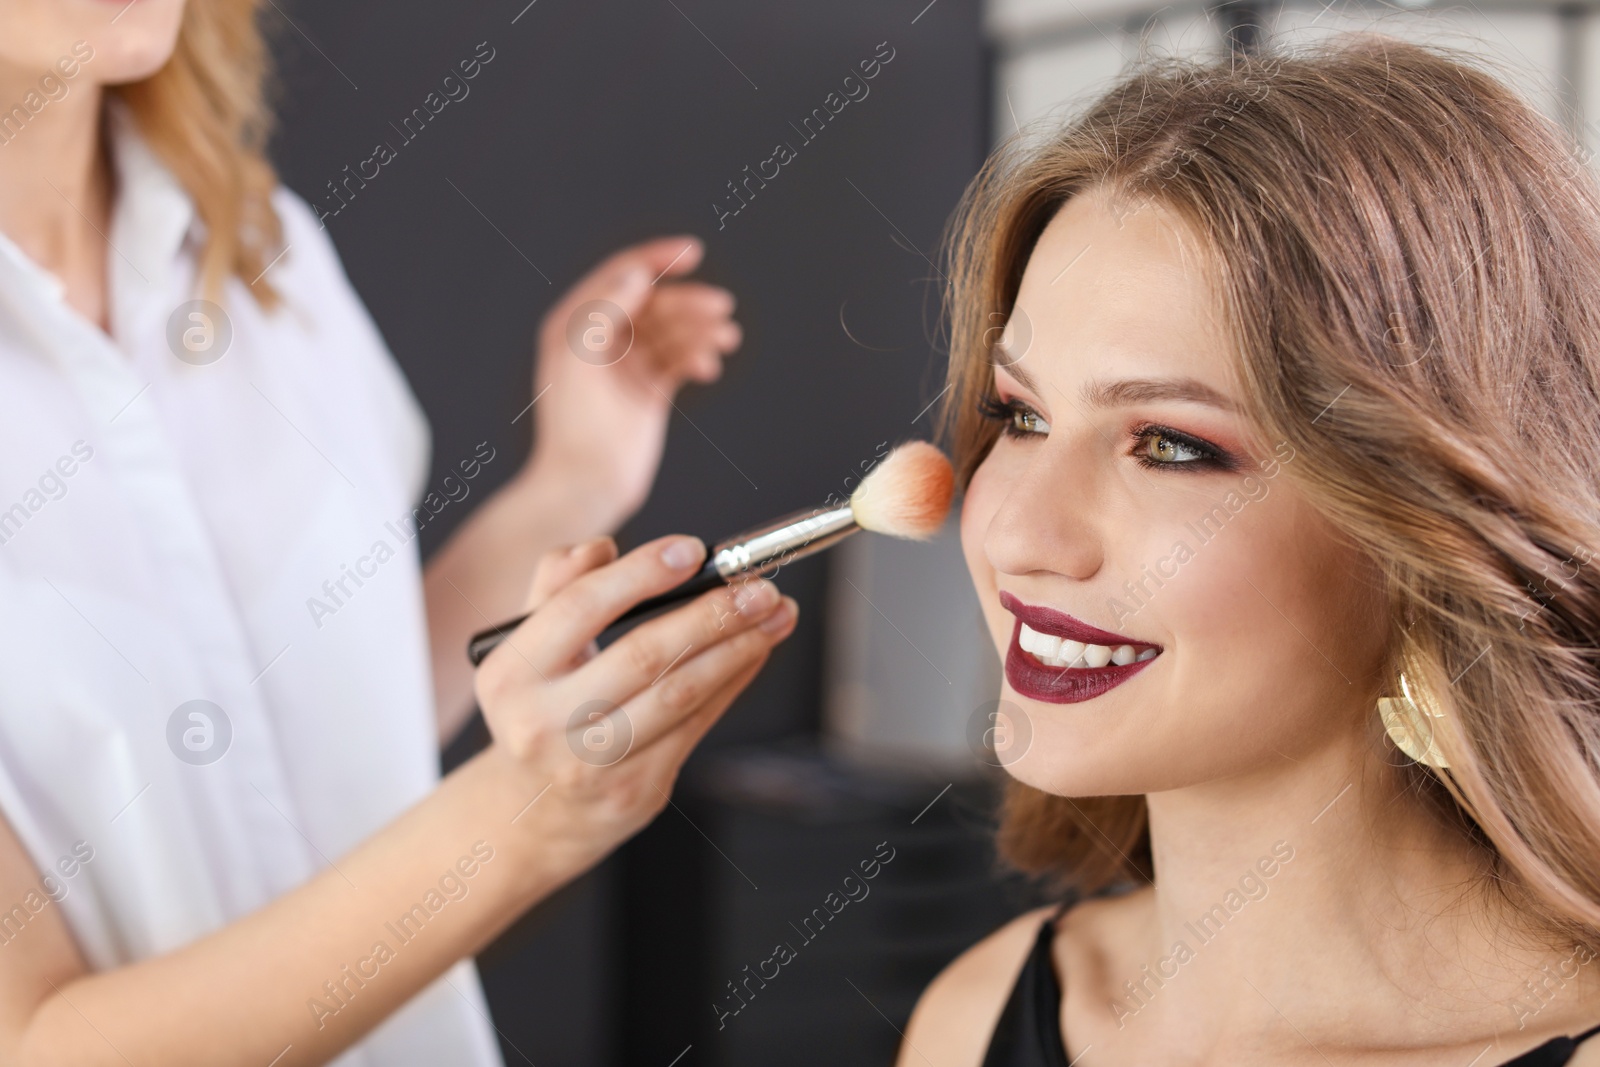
x=1215, y=595
x=1270, y=580
x=979, y=503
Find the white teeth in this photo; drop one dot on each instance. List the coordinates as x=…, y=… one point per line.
x=1054, y=651
x=1045, y=646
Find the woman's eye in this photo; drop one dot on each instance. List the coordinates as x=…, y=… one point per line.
x=1016, y=418
x=1028, y=422
x=1161, y=447
x=1155, y=446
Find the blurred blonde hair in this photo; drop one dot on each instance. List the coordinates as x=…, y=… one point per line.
x=205, y=115
x=1409, y=259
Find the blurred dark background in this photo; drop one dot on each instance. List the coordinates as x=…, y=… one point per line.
x=594, y=126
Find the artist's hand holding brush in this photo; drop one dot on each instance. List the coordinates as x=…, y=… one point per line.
x=506, y=828
x=602, y=733
x=588, y=744
x=612, y=353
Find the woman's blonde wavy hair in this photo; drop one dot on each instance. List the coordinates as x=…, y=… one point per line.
x=205, y=115
x=1409, y=258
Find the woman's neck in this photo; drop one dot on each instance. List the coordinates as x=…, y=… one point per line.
x=56, y=189
x=1337, y=894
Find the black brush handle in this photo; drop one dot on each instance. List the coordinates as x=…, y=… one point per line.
x=486, y=641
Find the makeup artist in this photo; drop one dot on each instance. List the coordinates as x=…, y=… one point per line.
x=225, y=836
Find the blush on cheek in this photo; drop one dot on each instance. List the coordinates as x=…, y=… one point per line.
x=977, y=511
x=1273, y=581
x=972, y=541
x=1214, y=601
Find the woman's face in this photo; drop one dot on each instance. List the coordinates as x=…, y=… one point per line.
x=125, y=42
x=1129, y=496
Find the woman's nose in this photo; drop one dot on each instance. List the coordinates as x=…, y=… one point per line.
x=1050, y=517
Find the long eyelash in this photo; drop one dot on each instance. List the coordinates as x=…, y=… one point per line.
x=1004, y=412
x=1212, y=458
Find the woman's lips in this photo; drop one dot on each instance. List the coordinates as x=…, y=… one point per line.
x=1051, y=621
x=1062, y=685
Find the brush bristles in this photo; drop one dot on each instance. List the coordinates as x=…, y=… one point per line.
x=907, y=495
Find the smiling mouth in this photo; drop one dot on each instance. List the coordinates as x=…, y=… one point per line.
x=1053, y=650
x=1038, y=679
x=1059, y=659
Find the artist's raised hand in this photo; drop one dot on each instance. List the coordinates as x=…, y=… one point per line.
x=601, y=734
x=612, y=354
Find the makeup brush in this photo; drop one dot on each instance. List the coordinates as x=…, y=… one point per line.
x=907, y=495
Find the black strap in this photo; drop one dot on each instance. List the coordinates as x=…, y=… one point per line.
x=1029, y=1031
x=1553, y=1053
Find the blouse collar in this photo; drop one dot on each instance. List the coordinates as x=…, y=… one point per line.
x=152, y=221
x=153, y=211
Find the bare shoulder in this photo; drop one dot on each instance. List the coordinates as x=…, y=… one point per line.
x=956, y=1015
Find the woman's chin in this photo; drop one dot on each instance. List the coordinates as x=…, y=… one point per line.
x=1070, y=749
x=132, y=52
x=1084, y=759
x=124, y=66
x=1071, y=771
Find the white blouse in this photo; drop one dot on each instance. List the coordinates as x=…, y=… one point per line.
x=170, y=511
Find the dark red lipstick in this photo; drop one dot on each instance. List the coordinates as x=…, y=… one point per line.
x=1064, y=685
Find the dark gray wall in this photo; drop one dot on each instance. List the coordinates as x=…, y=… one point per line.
x=593, y=126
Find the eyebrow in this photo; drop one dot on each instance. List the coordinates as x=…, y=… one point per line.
x=1123, y=392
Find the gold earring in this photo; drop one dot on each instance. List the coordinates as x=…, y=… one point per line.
x=1411, y=721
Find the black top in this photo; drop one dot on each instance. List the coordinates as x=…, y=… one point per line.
x=1029, y=1031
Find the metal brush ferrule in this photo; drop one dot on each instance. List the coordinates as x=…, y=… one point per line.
x=762, y=551
x=766, y=548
